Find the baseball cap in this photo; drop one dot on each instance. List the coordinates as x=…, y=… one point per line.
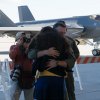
x=18, y=35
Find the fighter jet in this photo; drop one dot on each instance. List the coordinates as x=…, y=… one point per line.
x=81, y=28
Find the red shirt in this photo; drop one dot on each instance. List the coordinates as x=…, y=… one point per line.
x=18, y=58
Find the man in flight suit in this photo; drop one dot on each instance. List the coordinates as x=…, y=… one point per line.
x=61, y=27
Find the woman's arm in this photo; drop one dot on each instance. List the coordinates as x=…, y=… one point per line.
x=50, y=52
x=33, y=53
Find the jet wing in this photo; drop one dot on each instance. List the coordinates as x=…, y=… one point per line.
x=11, y=31
x=74, y=32
x=7, y=26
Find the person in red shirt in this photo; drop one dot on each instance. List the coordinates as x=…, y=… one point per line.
x=22, y=71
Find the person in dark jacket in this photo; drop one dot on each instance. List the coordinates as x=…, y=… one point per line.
x=61, y=27
x=50, y=85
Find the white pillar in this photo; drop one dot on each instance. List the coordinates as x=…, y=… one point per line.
x=77, y=77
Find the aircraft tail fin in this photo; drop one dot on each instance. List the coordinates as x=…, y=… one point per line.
x=25, y=14
x=5, y=21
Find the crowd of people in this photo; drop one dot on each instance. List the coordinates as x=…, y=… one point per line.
x=43, y=64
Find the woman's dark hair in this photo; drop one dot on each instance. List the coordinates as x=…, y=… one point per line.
x=49, y=37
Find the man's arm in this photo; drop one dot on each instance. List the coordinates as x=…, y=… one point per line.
x=74, y=47
x=54, y=63
x=75, y=50
x=73, y=55
x=70, y=62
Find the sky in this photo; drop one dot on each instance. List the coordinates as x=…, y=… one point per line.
x=49, y=9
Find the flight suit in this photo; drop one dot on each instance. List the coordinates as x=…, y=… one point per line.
x=70, y=79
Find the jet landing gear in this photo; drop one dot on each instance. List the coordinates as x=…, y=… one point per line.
x=96, y=52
